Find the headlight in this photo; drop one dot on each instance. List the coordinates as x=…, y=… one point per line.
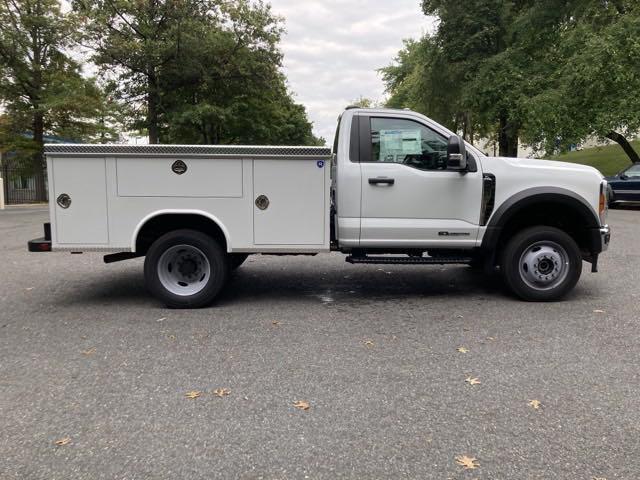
x=604, y=202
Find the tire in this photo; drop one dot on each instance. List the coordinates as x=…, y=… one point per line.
x=541, y=264
x=237, y=259
x=186, y=269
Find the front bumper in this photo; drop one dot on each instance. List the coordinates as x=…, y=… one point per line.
x=605, y=237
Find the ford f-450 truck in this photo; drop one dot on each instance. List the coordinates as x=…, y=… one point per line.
x=397, y=188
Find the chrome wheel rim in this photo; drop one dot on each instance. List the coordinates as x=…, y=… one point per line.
x=184, y=270
x=544, y=265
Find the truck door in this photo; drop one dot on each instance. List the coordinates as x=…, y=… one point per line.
x=409, y=198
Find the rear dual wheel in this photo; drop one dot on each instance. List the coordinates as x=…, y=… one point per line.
x=541, y=264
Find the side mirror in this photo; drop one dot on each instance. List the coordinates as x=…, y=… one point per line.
x=456, y=154
x=624, y=177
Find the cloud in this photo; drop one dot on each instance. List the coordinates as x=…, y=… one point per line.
x=333, y=49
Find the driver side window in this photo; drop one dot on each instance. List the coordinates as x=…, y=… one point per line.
x=407, y=142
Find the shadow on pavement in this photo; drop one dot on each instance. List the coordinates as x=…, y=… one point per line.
x=260, y=284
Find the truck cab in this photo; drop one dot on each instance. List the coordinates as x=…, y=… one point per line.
x=397, y=188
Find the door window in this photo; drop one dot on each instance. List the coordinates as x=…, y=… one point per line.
x=407, y=142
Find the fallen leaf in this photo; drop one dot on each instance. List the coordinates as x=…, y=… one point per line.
x=473, y=381
x=469, y=463
x=491, y=339
x=193, y=395
x=222, y=392
x=161, y=319
x=369, y=343
x=29, y=289
x=89, y=352
x=599, y=311
x=535, y=404
x=463, y=350
x=302, y=405
x=63, y=441
x=459, y=316
x=275, y=323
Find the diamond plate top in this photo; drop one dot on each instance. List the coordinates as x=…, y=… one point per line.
x=208, y=150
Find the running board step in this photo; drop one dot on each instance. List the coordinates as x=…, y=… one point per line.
x=410, y=260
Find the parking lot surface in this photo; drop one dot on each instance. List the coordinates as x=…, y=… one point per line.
x=89, y=359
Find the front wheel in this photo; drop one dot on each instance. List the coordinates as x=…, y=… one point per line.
x=541, y=264
x=186, y=269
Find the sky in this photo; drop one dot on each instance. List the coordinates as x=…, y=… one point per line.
x=333, y=49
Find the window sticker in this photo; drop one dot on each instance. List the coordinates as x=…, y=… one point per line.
x=395, y=145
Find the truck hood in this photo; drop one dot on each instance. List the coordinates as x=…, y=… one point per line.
x=539, y=166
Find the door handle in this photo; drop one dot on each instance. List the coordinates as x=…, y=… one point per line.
x=382, y=181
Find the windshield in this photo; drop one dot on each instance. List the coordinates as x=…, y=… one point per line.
x=632, y=172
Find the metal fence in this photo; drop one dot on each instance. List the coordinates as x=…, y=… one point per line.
x=19, y=187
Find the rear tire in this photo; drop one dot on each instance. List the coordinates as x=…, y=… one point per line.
x=541, y=264
x=186, y=269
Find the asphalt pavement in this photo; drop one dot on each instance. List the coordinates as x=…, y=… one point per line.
x=88, y=359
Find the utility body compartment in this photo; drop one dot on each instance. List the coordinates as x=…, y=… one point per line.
x=264, y=199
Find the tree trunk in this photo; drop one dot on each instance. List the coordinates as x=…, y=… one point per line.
x=152, y=108
x=507, y=138
x=626, y=146
x=38, y=158
x=152, y=117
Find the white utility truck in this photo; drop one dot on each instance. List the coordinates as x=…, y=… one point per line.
x=397, y=188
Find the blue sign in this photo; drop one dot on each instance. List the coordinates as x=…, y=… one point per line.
x=320, y=163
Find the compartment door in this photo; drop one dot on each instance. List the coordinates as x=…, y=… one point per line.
x=295, y=191
x=84, y=181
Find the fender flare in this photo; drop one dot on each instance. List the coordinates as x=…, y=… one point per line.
x=510, y=207
x=159, y=213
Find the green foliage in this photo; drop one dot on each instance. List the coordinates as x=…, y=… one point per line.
x=592, y=89
x=197, y=71
x=444, y=75
x=42, y=90
x=551, y=73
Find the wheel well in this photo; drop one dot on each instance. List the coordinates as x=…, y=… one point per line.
x=560, y=215
x=163, y=224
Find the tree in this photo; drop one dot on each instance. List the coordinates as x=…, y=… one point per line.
x=421, y=79
x=42, y=90
x=549, y=73
x=197, y=71
x=132, y=40
x=444, y=74
x=592, y=78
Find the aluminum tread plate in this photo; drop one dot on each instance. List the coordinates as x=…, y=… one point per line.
x=211, y=150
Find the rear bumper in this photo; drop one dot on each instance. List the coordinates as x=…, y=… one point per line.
x=42, y=244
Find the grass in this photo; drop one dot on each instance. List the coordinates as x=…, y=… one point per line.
x=609, y=160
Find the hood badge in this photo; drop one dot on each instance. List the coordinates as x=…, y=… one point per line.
x=179, y=167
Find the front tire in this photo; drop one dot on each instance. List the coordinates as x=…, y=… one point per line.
x=541, y=264
x=186, y=269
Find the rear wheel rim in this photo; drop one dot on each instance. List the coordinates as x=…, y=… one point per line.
x=544, y=265
x=184, y=270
